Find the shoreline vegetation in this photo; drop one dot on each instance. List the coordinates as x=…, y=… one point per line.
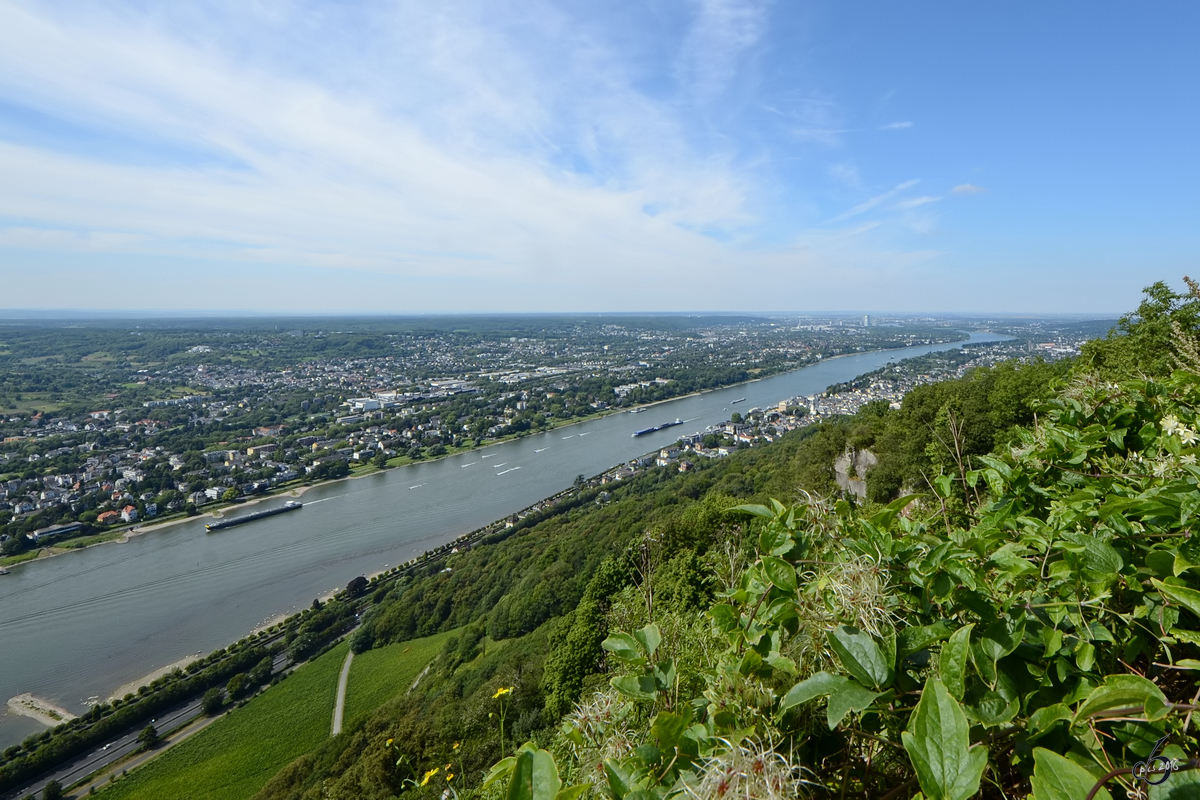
x=45, y=712
x=294, y=490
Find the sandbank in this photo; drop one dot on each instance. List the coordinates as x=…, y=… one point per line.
x=43, y=711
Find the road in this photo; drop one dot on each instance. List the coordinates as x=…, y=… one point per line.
x=340, y=705
x=108, y=753
x=124, y=745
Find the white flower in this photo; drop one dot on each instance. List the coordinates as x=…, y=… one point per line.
x=1187, y=458
x=1187, y=436
x=1169, y=425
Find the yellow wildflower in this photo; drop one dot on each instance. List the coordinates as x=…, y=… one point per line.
x=501, y=691
x=448, y=766
x=429, y=775
x=389, y=744
x=456, y=744
x=449, y=777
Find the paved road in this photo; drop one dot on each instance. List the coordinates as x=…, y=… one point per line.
x=340, y=705
x=107, y=754
x=84, y=765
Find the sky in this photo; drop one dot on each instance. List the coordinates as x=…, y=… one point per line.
x=387, y=156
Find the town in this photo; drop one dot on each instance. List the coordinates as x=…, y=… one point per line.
x=129, y=424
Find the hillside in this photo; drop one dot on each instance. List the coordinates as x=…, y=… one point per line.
x=1017, y=610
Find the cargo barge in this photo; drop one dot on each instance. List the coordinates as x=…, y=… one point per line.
x=662, y=427
x=290, y=505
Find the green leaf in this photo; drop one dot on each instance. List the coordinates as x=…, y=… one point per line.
x=774, y=540
x=500, y=770
x=1118, y=691
x=618, y=779
x=1058, y=778
x=851, y=696
x=637, y=687
x=1188, y=598
x=756, y=510
x=780, y=573
x=668, y=728
x=887, y=515
x=1097, y=555
x=649, y=638
x=624, y=647
x=535, y=777
x=938, y=743
x=861, y=656
x=952, y=664
x=845, y=695
x=1191, y=504
x=822, y=684
x=1044, y=718
x=573, y=792
x=723, y=615
x=1181, y=786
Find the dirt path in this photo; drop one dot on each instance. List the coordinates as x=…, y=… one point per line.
x=340, y=706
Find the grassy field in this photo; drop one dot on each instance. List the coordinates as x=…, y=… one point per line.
x=234, y=757
x=377, y=676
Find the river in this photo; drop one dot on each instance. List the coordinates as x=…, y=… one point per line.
x=81, y=624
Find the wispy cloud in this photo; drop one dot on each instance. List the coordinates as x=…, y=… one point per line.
x=719, y=37
x=968, y=188
x=895, y=126
x=480, y=155
x=905, y=205
x=873, y=202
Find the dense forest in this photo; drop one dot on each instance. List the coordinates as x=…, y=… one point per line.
x=1013, y=611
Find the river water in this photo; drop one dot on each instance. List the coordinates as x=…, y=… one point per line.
x=82, y=624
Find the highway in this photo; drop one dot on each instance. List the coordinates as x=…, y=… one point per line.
x=124, y=745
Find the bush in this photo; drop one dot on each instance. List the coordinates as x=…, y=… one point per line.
x=212, y=701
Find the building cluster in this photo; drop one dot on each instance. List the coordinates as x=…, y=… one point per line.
x=219, y=430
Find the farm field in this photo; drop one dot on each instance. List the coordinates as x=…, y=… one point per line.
x=234, y=757
x=378, y=675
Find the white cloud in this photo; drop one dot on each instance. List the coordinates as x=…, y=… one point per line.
x=968, y=188
x=722, y=32
x=874, y=201
x=914, y=202
x=440, y=151
x=895, y=126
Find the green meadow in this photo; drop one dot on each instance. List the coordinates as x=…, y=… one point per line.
x=234, y=757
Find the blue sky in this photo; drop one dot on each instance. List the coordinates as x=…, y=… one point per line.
x=285, y=155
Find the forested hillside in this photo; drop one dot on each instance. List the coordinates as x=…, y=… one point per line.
x=1016, y=611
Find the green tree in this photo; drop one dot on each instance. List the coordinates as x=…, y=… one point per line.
x=212, y=701
x=229, y=495
x=1141, y=344
x=149, y=737
x=52, y=791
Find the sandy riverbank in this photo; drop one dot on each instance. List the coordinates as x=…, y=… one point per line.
x=133, y=686
x=43, y=711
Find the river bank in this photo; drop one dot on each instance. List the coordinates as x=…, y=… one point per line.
x=132, y=686
x=86, y=625
x=41, y=710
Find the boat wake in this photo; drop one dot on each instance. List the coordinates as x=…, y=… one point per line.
x=505, y=472
x=544, y=449
x=418, y=486
x=464, y=466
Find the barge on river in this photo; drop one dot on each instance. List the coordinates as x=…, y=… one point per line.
x=290, y=505
x=662, y=427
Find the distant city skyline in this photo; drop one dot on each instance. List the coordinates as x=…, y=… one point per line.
x=395, y=157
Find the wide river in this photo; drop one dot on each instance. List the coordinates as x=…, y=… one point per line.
x=84, y=623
